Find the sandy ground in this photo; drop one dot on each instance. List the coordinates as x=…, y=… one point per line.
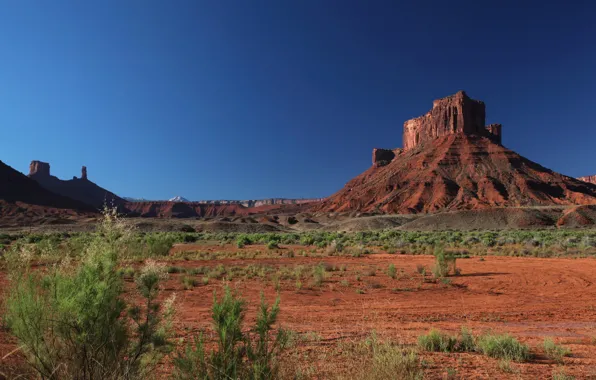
x=530, y=298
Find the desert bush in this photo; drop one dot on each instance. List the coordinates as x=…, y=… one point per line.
x=237, y=355
x=72, y=321
x=188, y=282
x=503, y=347
x=391, y=271
x=272, y=244
x=242, y=241
x=318, y=275
x=560, y=374
x=436, y=341
x=445, y=263
x=554, y=351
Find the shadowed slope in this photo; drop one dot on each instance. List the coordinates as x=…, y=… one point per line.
x=457, y=172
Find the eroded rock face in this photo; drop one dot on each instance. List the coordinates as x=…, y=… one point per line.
x=457, y=113
x=39, y=168
x=589, y=179
x=494, y=131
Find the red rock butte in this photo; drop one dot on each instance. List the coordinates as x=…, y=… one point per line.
x=454, y=114
x=451, y=160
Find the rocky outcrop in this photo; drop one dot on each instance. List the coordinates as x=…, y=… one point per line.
x=80, y=189
x=589, y=179
x=457, y=113
x=16, y=187
x=38, y=168
x=451, y=161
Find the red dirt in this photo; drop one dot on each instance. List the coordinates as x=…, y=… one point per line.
x=529, y=298
x=457, y=172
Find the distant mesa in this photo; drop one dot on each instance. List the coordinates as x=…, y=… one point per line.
x=452, y=160
x=80, y=189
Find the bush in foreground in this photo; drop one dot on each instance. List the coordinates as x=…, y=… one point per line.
x=72, y=321
x=503, y=347
x=238, y=355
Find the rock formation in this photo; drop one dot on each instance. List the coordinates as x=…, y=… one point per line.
x=589, y=179
x=38, y=168
x=454, y=114
x=80, y=189
x=16, y=187
x=452, y=161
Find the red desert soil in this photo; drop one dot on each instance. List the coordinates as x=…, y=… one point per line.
x=530, y=298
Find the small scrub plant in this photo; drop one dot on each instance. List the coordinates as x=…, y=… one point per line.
x=318, y=275
x=237, y=355
x=503, y=347
x=554, y=351
x=242, y=241
x=384, y=360
x=391, y=271
x=72, y=321
x=188, y=282
x=444, y=263
x=560, y=374
x=436, y=341
x=272, y=245
x=506, y=366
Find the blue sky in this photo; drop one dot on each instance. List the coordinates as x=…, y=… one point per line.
x=254, y=99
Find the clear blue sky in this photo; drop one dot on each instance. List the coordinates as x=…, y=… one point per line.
x=253, y=99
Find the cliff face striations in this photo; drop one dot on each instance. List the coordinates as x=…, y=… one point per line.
x=452, y=161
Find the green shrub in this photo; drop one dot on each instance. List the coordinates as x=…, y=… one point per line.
x=72, y=322
x=318, y=275
x=242, y=241
x=238, y=355
x=503, y=347
x=436, y=341
x=272, y=245
x=188, y=282
x=554, y=351
x=391, y=271
x=444, y=263
x=560, y=374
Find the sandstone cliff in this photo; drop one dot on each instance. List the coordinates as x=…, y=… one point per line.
x=452, y=161
x=80, y=189
x=589, y=179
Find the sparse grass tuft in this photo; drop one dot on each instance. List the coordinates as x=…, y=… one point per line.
x=554, y=351
x=391, y=271
x=436, y=341
x=503, y=347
